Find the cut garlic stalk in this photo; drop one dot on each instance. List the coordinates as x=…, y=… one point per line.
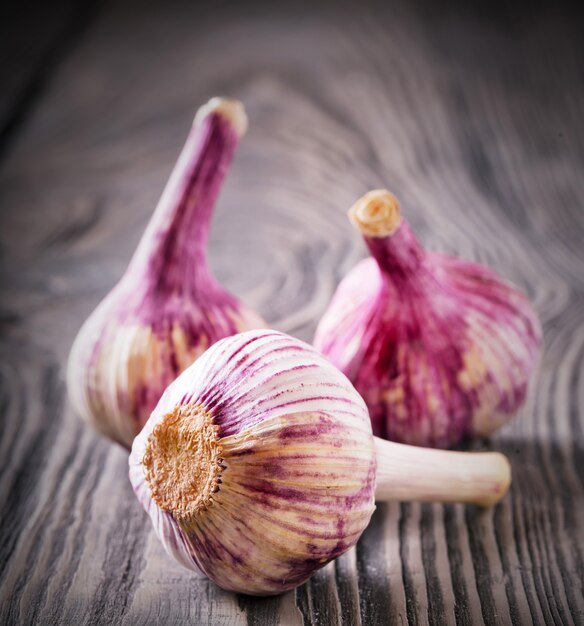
x=442, y=350
x=167, y=308
x=258, y=465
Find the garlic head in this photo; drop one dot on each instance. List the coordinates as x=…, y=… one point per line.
x=442, y=350
x=257, y=466
x=167, y=309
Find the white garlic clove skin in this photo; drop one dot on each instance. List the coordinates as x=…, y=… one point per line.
x=257, y=466
x=167, y=309
x=442, y=350
x=119, y=368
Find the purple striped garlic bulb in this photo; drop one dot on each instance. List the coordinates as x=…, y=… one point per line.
x=258, y=465
x=167, y=309
x=442, y=350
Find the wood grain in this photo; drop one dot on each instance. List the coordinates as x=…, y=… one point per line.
x=472, y=117
x=35, y=38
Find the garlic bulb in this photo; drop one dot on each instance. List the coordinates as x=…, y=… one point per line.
x=167, y=308
x=258, y=465
x=442, y=350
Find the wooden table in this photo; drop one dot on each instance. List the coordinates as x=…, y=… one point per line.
x=474, y=118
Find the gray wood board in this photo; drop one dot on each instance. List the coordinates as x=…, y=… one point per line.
x=473, y=119
x=34, y=38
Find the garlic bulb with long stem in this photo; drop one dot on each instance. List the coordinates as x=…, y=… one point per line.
x=167, y=308
x=258, y=465
x=441, y=349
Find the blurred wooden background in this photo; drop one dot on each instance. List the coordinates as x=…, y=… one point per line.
x=473, y=117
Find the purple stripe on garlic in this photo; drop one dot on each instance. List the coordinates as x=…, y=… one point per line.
x=258, y=465
x=442, y=350
x=167, y=309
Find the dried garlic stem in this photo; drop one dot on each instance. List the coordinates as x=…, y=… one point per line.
x=412, y=473
x=172, y=251
x=376, y=214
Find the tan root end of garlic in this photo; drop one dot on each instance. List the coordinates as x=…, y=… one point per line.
x=183, y=461
x=231, y=110
x=376, y=214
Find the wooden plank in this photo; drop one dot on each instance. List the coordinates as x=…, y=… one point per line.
x=474, y=121
x=34, y=37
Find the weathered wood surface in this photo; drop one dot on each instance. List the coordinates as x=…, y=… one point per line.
x=34, y=38
x=474, y=119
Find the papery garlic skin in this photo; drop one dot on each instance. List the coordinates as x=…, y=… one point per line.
x=167, y=309
x=295, y=484
x=442, y=350
x=115, y=382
